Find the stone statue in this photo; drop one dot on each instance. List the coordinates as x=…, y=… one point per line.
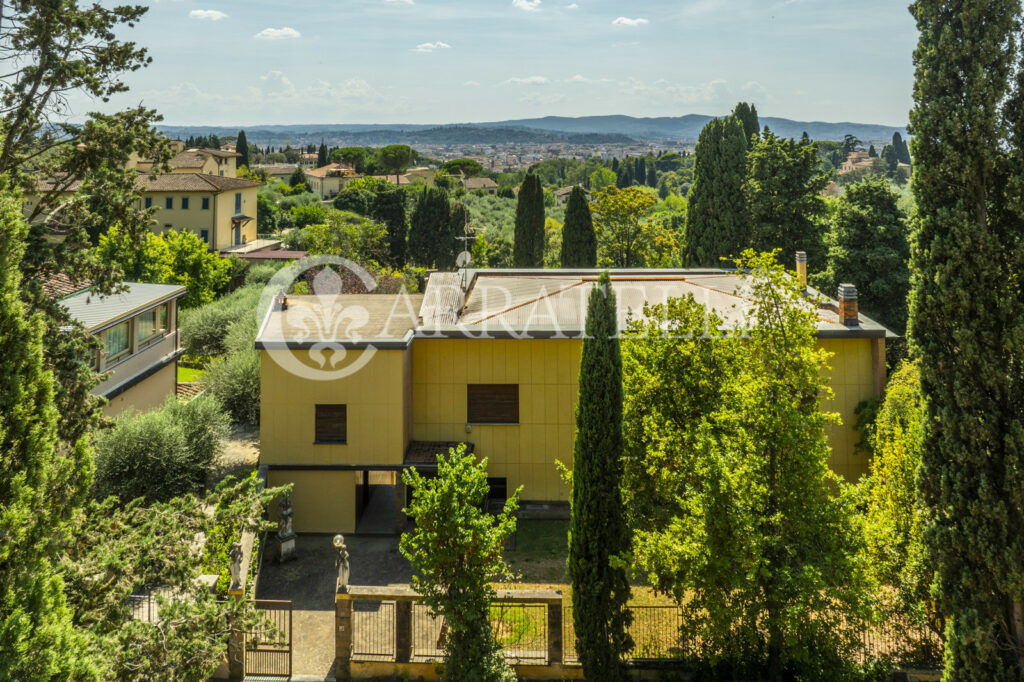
x=341, y=562
x=235, y=567
x=284, y=517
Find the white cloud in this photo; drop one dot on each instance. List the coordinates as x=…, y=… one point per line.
x=572, y=6
x=284, y=33
x=626, y=21
x=578, y=78
x=207, y=14
x=399, y=2
x=278, y=78
x=528, y=80
x=538, y=98
x=754, y=90
x=471, y=84
x=430, y=47
x=527, y=5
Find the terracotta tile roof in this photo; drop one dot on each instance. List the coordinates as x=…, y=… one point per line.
x=402, y=179
x=322, y=171
x=479, y=183
x=58, y=285
x=566, y=190
x=188, y=159
x=188, y=390
x=175, y=182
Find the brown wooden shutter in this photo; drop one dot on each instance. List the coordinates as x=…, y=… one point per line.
x=492, y=403
x=331, y=424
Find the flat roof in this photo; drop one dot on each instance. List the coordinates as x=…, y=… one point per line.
x=96, y=312
x=353, y=319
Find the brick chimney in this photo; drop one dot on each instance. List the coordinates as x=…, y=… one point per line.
x=801, y=268
x=848, y=305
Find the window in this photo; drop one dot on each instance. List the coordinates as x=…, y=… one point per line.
x=169, y=202
x=149, y=202
x=117, y=342
x=184, y=202
x=331, y=424
x=238, y=202
x=205, y=236
x=150, y=324
x=492, y=403
x=206, y=203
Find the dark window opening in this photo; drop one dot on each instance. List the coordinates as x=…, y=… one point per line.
x=331, y=424
x=492, y=403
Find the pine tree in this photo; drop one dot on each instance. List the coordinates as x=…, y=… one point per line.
x=872, y=153
x=242, y=147
x=747, y=115
x=389, y=208
x=716, y=222
x=528, y=248
x=965, y=321
x=39, y=489
x=805, y=139
x=321, y=156
x=579, y=243
x=598, y=530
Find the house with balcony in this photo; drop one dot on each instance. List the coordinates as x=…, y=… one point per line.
x=355, y=388
x=138, y=330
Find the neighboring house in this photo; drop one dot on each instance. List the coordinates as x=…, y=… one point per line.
x=282, y=172
x=562, y=195
x=422, y=175
x=856, y=160
x=485, y=184
x=400, y=180
x=490, y=358
x=220, y=210
x=205, y=161
x=139, y=332
x=328, y=180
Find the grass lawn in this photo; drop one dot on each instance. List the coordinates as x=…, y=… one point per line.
x=187, y=374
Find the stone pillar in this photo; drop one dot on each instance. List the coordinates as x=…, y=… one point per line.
x=403, y=631
x=236, y=643
x=342, y=637
x=555, y=654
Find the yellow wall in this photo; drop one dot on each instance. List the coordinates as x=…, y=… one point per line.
x=547, y=374
x=322, y=501
x=852, y=380
x=149, y=393
x=376, y=427
x=216, y=219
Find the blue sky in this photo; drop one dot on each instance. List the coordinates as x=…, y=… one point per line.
x=243, y=62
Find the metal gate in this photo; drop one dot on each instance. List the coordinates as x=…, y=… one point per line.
x=268, y=648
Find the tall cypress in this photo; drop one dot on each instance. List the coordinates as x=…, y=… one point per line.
x=965, y=325
x=242, y=147
x=40, y=488
x=528, y=249
x=389, y=208
x=747, y=114
x=579, y=243
x=902, y=150
x=598, y=530
x=321, y=156
x=429, y=230
x=716, y=221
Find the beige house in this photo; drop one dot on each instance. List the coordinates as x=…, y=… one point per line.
x=139, y=332
x=485, y=184
x=562, y=195
x=328, y=180
x=206, y=161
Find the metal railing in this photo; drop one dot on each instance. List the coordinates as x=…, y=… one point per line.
x=655, y=631
x=373, y=629
x=522, y=631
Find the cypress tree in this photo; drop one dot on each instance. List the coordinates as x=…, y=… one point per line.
x=747, y=114
x=598, y=530
x=429, y=226
x=528, y=249
x=321, y=156
x=39, y=489
x=242, y=147
x=965, y=325
x=579, y=243
x=716, y=222
x=652, y=174
x=872, y=153
x=458, y=219
x=389, y=208
x=902, y=150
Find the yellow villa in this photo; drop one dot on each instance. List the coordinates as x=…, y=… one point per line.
x=356, y=387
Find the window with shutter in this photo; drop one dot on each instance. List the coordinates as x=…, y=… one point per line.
x=331, y=424
x=492, y=403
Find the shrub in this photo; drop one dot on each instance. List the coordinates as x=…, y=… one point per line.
x=160, y=454
x=204, y=329
x=309, y=214
x=235, y=381
x=261, y=274
x=290, y=202
x=242, y=334
x=355, y=200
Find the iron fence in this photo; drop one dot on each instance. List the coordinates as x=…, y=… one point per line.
x=268, y=646
x=654, y=629
x=373, y=630
x=522, y=631
x=427, y=634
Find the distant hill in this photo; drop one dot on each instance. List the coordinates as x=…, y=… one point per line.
x=582, y=130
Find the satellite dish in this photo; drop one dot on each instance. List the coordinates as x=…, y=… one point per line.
x=463, y=259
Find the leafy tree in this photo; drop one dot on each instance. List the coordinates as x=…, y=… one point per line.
x=429, y=226
x=598, y=536
x=242, y=147
x=717, y=225
x=579, y=243
x=308, y=214
x=348, y=235
x=783, y=196
x=44, y=481
x=747, y=115
x=850, y=144
x=235, y=381
x=455, y=551
x=468, y=167
x=624, y=235
x=735, y=511
x=352, y=155
x=601, y=178
x=354, y=199
x=528, y=245
x=868, y=246
x=267, y=214
x=396, y=157
x=321, y=156
x=389, y=208
x=298, y=177
x=965, y=308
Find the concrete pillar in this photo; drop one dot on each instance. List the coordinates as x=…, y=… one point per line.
x=342, y=637
x=403, y=631
x=236, y=643
x=555, y=654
